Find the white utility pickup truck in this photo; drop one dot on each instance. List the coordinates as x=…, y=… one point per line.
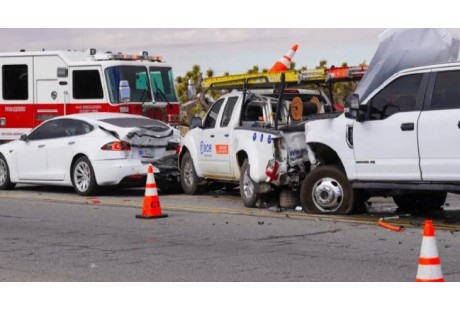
x=253, y=140
x=403, y=140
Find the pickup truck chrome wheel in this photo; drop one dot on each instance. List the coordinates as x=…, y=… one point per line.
x=327, y=194
x=188, y=178
x=247, y=187
x=326, y=190
x=248, y=184
x=5, y=182
x=83, y=177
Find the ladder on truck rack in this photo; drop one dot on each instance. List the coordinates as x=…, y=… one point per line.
x=292, y=78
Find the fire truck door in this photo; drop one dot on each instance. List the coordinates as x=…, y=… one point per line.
x=49, y=100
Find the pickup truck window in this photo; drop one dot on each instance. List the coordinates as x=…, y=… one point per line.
x=398, y=96
x=229, y=107
x=446, y=92
x=211, y=118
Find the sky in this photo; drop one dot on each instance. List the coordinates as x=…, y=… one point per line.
x=223, y=50
x=232, y=50
x=223, y=36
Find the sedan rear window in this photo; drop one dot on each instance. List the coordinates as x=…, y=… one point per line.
x=127, y=122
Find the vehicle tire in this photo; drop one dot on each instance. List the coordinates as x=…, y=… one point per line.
x=169, y=186
x=5, y=181
x=83, y=177
x=419, y=202
x=288, y=198
x=248, y=187
x=188, y=178
x=327, y=190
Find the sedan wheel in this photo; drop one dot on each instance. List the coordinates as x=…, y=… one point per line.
x=83, y=178
x=5, y=182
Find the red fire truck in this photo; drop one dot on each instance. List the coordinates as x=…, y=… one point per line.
x=36, y=86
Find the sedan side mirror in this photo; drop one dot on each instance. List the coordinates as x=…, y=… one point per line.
x=23, y=138
x=196, y=122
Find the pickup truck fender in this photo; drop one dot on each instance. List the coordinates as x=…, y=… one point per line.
x=189, y=144
x=330, y=135
x=257, y=145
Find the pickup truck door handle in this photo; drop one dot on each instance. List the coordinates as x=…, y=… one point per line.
x=226, y=135
x=212, y=136
x=41, y=145
x=71, y=143
x=458, y=125
x=407, y=126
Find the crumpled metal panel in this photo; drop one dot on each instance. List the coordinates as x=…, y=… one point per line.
x=400, y=49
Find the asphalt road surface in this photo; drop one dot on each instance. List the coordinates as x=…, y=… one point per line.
x=51, y=234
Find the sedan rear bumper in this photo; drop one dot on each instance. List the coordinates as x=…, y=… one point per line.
x=112, y=172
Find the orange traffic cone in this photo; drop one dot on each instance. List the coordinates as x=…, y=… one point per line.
x=151, y=209
x=429, y=264
x=283, y=64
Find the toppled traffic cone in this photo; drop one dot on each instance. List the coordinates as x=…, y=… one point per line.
x=429, y=264
x=151, y=209
x=283, y=64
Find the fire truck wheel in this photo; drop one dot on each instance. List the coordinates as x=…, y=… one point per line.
x=327, y=190
x=5, y=182
x=188, y=178
x=248, y=187
x=83, y=177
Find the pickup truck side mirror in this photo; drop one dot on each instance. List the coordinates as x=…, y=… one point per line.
x=354, y=110
x=196, y=122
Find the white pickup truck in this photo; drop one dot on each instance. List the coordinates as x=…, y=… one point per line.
x=246, y=138
x=403, y=140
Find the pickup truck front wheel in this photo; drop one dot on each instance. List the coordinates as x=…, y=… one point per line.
x=327, y=190
x=248, y=187
x=188, y=178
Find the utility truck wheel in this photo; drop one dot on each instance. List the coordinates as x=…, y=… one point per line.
x=248, y=187
x=426, y=201
x=5, y=181
x=327, y=190
x=188, y=178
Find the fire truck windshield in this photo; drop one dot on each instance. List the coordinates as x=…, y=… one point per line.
x=137, y=80
x=162, y=83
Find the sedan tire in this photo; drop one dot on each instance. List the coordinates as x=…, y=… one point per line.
x=83, y=177
x=5, y=181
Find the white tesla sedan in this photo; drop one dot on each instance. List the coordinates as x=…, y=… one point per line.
x=87, y=151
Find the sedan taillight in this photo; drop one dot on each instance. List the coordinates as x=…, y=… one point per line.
x=117, y=146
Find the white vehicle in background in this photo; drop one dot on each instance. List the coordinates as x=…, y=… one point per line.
x=88, y=151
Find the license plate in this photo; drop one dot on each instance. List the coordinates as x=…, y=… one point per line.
x=146, y=153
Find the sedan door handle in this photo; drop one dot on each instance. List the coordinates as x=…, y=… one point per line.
x=458, y=125
x=226, y=135
x=212, y=136
x=407, y=126
x=71, y=143
x=41, y=145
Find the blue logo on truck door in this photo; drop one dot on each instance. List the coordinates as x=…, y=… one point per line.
x=205, y=148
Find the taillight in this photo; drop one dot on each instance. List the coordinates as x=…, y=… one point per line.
x=272, y=170
x=117, y=146
x=178, y=149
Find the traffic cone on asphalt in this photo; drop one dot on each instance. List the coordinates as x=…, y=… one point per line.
x=151, y=209
x=429, y=264
x=283, y=64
